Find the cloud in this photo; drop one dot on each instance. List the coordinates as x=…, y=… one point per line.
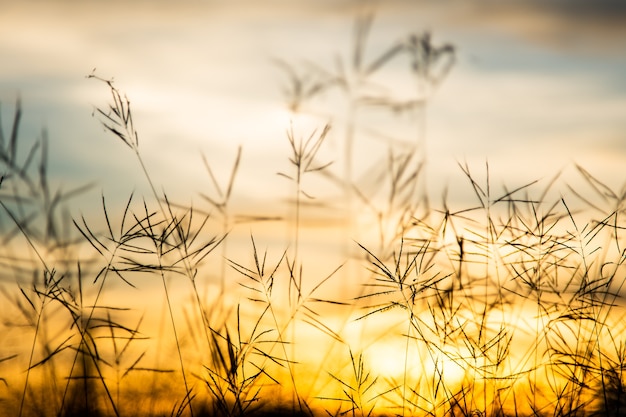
x=573, y=26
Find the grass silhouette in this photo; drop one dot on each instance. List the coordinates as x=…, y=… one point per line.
x=511, y=306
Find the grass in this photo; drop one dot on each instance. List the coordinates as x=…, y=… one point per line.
x=511, y=306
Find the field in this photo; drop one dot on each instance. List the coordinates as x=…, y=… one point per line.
x=370, y=299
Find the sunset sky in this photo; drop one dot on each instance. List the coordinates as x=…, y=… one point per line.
x=536, y=86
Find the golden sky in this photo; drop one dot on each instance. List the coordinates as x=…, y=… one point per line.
x=536, y=88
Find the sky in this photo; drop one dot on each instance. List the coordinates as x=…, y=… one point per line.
x=536, y=87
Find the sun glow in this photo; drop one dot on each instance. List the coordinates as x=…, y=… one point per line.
x=392, y=361
x=257, y=267
x=388, y=360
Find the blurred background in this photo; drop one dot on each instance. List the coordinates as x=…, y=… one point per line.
x=534, y=89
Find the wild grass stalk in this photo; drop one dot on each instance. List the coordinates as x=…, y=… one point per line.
x=360, y=90
x=32, y=207
x=266, y=290
x=234, y=379
x=262, y=288
x=118, y=120
x=357, y=388
x=175, y=234
x=221, y=204
x=304, y=161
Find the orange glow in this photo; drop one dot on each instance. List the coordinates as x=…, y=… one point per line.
x=321, y=208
